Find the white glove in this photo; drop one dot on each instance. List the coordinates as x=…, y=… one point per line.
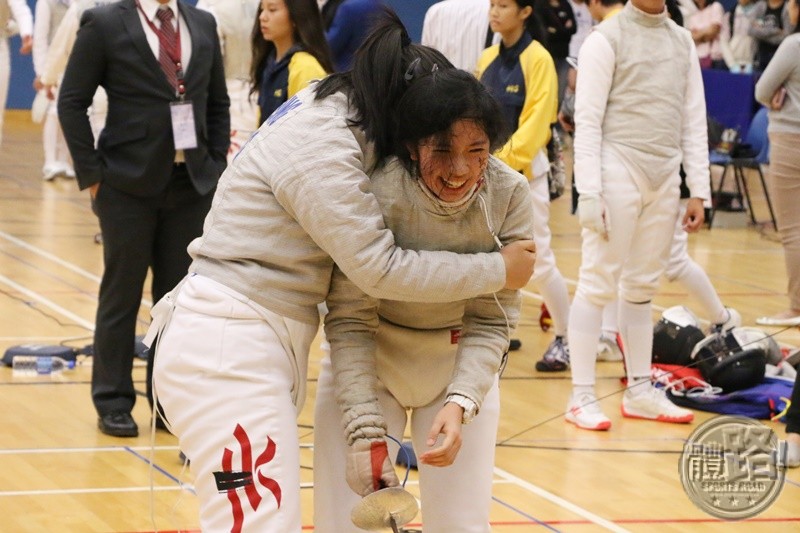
x=369, y=468
x=593, y=214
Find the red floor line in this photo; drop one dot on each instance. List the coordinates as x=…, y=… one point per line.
x=510, y=523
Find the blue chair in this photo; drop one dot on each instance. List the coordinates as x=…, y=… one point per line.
x=758, y=143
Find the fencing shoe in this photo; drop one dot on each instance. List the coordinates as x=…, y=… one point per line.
x=653, y=404
x=584, y=411
x=734, y=321
x=608, y=349
x=555, y=358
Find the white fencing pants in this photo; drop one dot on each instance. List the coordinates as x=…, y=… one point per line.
x=454, y=498
x=226, y=374
x=642, y=227
x=546, y=276
x=56, y=154
x=631, y=261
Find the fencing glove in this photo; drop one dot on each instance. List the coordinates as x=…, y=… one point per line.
x=369, y=468
x=593, y=214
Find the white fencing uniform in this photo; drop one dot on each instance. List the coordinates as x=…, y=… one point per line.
x=418, y=354
x=21, y=13
x=640, y=110
x=57, y=161
x=235, y=20
x=58, y=53
x=292, y=203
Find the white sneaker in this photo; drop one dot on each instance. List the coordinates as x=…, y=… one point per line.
x=653, y=404
x=608, y=349
x=51, y=173
x=584, y=411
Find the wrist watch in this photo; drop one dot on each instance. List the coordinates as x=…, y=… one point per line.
x=470, y=407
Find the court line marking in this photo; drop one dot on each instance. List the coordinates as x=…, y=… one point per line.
x=59, y=261
x=52, y=257
x=47, y=303
x=580, y=511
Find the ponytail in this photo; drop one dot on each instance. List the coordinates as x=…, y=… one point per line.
x=377, y=79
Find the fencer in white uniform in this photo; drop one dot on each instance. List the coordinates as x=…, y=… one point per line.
x=57, y=162
x=21, y=14
x=58, y=53
x=640, y=111
x=233, y=351
x=235, y=26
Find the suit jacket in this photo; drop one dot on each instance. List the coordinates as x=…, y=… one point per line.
x=135, y=151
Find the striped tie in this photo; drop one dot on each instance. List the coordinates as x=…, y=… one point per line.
x=167, y=46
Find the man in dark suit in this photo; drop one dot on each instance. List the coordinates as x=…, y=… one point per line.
x=154, y=170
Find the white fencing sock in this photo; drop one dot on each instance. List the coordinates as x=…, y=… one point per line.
x=696, y=282
x=556, y=297
x=584, y=330
x=636, y=328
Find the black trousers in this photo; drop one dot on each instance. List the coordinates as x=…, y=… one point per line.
x=138, y=233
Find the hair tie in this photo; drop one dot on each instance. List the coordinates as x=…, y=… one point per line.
x=415, y=70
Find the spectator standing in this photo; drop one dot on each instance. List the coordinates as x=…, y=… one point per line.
x=770, y=25
x=779, y=89
x=346, y=24
x=289, y=50
x=155, y=168
x=559, y=25
x=583, y=25
x=49, y=14
x=457, y=28
x=706, y=27
x=739, y=47
x=520, y=73
x=21, y=13
x=235, y=27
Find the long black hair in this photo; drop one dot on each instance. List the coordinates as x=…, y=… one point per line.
x=376, y=82
x=307, y=22
x=533, y=24
x=434, y=101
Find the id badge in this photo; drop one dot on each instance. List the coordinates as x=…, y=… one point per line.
x=183, y=130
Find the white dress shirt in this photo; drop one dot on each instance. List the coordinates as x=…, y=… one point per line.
x=457, y=28
x=150, y=7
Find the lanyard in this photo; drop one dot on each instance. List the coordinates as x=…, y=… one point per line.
x=173, y=53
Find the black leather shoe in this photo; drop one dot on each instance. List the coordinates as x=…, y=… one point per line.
x=118, y=424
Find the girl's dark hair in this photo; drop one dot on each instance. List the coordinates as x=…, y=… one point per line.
x=305, y=16
x=376, y=81
x=533, y=24
x=435, y=100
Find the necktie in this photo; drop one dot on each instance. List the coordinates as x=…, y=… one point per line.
x=168, y=46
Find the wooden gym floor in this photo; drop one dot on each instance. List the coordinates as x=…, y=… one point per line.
x=59, y=473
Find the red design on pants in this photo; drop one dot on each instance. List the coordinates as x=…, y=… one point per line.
x=246, y=474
